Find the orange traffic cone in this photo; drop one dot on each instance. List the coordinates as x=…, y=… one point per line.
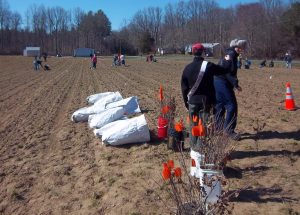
x=289, y=100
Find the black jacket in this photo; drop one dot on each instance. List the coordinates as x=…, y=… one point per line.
x=230, y=65
x=206, y=87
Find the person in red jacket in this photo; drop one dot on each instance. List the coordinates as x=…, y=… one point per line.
x=94, y=61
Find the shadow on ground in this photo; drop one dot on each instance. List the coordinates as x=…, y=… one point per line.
x=264, y=135
x=236, y=172
x=251, y=154
x=262, y=195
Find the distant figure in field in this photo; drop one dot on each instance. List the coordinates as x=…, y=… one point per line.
x=271, y=64
x=247, y=63
x=149, y=58
x=40, y=62
x=263, y=64
x=288, y=60
x=45, y=55
x=46, y=67
x=35, y=63
x=239, y=61
x=122, y=58
x=115, y=60
x=94, y=61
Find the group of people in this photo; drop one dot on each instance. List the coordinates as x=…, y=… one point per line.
x=150, y=58
x=287, y=59
x=247, y=63
x=209, y=88
x=118, y=60
x=264, y=63
x=37, y=63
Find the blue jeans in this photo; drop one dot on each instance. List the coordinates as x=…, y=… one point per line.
x=36, y=66
x=225, y=103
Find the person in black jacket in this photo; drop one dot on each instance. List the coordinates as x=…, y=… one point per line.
x=199, y=100
x=225, y=85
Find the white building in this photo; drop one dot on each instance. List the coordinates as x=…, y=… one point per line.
x=32, y=51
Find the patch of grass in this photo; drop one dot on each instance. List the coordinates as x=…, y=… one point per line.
x=138, y=173
x=17, y=196
x=101, y=179
x=108, y=157
x=293, y=159
x=249, y=147
x=294, y=143
x=164, y=186
x=289, y=211
x=111, y=181
x=94, y=203
x=98, y=195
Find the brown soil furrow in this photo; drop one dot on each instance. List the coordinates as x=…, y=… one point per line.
x=24, y=75
x=30, y=79
x=39, y=142
x=10, y=109
x=51, y=165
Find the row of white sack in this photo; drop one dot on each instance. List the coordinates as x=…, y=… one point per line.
x=104, y=101
x=107, y=116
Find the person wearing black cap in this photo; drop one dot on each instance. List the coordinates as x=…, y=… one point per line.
x=197, y=88
x=225, y=85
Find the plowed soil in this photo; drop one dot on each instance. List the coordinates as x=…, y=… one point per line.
x=51, y=165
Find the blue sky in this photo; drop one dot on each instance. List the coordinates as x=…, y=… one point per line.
x=116, y=10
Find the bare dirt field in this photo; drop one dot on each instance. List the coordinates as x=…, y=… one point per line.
x=51, y=165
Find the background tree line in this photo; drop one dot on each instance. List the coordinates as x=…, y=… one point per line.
x=271, y=27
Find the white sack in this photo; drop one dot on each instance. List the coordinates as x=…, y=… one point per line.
x=130, y=105
x=213, y=192
x=196, y=171
x=133, y=130
x=108, y=99
x=100, y=119
x=82, y=114
x=95, y=97
x=99, y=132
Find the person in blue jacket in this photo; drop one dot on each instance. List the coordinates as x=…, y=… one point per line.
x=226, y=109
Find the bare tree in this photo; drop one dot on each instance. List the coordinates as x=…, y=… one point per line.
x=4, y=20
x=250, y=24
x=273, y=12
x=77, y=17
x=270, y=26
